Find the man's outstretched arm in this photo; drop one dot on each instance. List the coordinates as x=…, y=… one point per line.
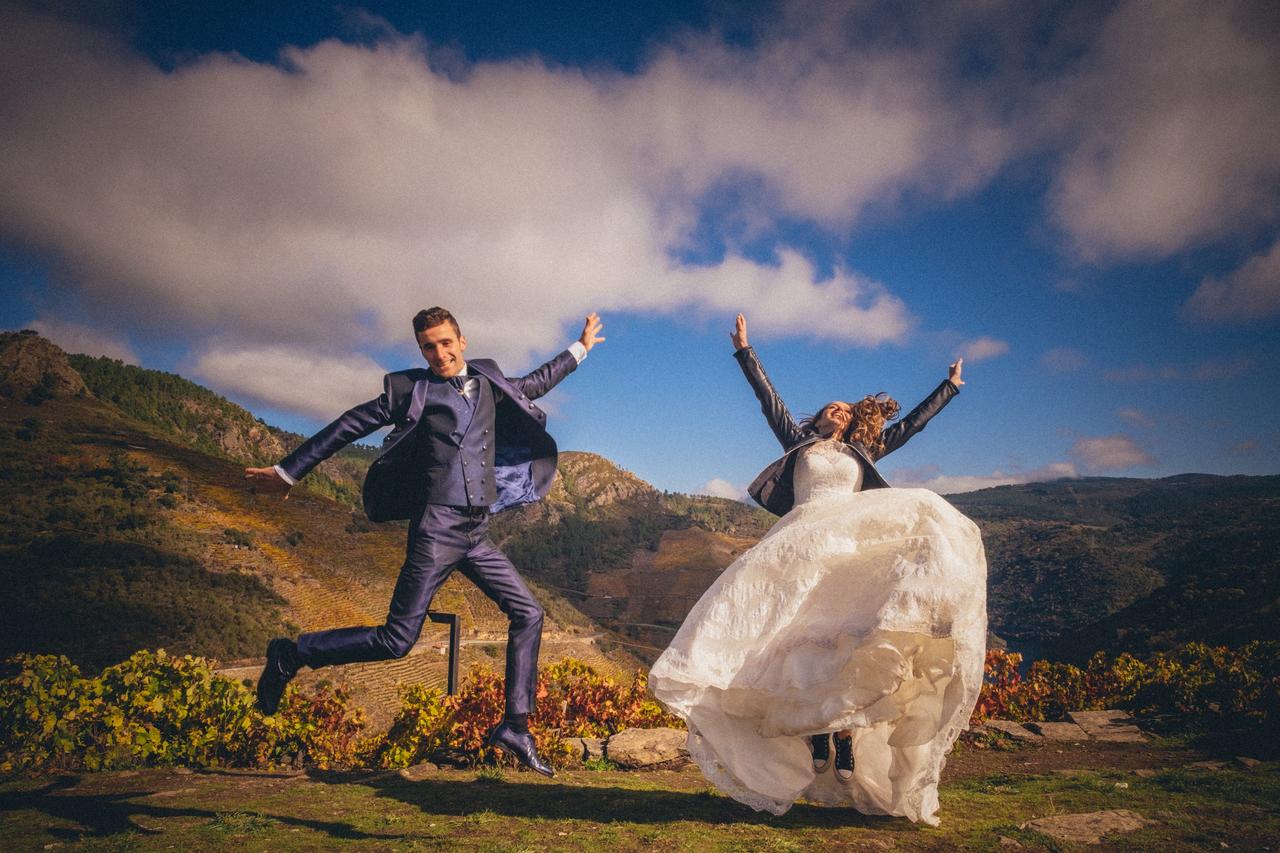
x=352, y=425
x=546, y=377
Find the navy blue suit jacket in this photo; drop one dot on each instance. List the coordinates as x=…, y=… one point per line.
x=525, y=454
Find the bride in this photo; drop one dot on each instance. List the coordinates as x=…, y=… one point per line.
x=861, y=613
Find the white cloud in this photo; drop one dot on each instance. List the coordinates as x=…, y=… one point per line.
x=718, y=487
x=1137, y=417
x=74, y=337
x=980, y=349
x=1169, y=127
x=947, y=484
x=1251, y=292
x=294, y=379
x=1064, y=360
x=352, y=185
x=319, y=202
x=1109, y=453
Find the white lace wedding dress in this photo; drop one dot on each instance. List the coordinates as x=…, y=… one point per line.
x=858, y=610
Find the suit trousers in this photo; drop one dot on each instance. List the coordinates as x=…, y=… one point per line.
x=444, y=538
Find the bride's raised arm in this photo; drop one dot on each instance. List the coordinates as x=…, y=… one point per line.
x=775, y=411
x=898, y=434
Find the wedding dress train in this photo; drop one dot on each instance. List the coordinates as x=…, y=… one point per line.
x=858, y=610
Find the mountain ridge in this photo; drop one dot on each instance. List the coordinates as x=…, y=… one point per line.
x=1075, y=565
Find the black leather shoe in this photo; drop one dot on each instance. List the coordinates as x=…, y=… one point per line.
x=282, y=666
x=521, y=746
x=844, y=758
x=820, y=747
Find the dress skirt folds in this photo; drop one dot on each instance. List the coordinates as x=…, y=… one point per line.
x=858, y=610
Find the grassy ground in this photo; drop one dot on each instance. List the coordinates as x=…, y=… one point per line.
x=985, y=796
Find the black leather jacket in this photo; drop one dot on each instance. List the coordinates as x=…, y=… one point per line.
x=773, y=489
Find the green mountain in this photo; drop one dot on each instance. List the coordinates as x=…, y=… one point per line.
x=1127, y=564
x=124, y=523
x=205, y=421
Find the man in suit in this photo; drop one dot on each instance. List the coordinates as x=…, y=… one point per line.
x=466, y=442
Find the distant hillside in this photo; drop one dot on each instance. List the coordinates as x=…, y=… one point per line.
x=124, y=522
x=1128, y=564
x=198, y=418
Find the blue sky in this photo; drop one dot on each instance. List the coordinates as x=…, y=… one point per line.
x=1083, y=199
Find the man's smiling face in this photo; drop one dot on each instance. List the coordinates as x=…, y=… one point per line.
x=442, y=346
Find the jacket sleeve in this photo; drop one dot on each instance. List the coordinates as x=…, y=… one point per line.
x=898, y=434
x=775, y=411
x=350, y=426
x=546, y=377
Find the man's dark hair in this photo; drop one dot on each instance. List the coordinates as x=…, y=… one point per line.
x=433, y=317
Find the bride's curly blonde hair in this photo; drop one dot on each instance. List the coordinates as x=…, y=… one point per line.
x=869, y=417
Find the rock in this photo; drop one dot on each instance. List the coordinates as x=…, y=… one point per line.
x=1007, y=843
x=1207, y=765
x=587, y=748
x=1017, y=731
x=418, y=772
x=647, y=747
x=1112, y=726
x=33, y=369
x=171, y=792
x=1145, y=772
x=1247, y=763
x=1088, y=828
x=1060, y=731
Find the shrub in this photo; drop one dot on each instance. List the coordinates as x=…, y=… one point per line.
x=1204, y=687
x=418, y=730
x=157, y=709
x=573, y=701
x=239, y=538
x=321, y=727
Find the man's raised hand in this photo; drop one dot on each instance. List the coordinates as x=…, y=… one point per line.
x=739, y=333
x=268, y=480
x=591, y=331
x=953, y=372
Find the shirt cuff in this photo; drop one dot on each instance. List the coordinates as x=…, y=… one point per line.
x=284, y=476
x=578, y=351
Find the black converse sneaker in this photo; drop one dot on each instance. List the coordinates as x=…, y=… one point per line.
x=820, y=746
x=844, y=758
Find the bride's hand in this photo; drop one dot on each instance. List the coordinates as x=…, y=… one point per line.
x=953, y=372
x=739, y=333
